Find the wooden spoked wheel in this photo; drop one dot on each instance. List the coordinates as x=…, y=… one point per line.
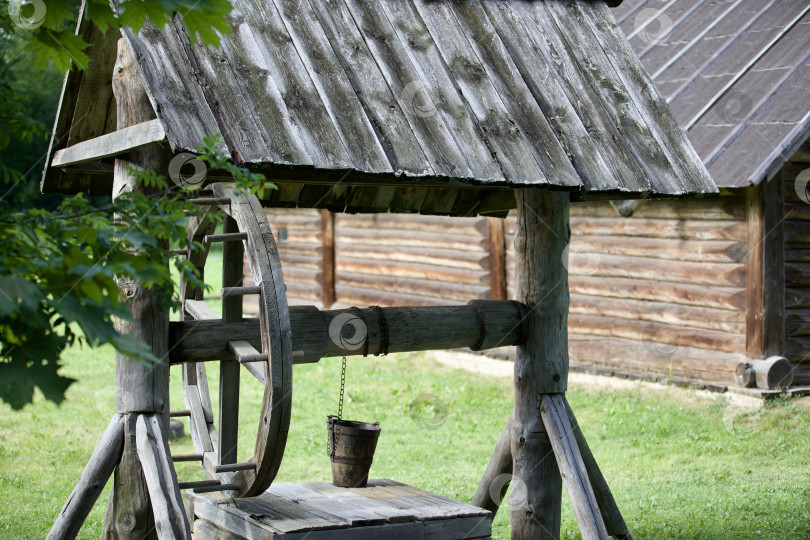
x=245, y=231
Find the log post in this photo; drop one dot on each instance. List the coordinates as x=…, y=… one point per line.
x=498, y=474
x=94, y=477
x=541, y=365
x=139, y=389
x=328, y=258
x=497, y=259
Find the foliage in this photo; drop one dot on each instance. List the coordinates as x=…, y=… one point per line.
x=59, y=270
x=52, y=24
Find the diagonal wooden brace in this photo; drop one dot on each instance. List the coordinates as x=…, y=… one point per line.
x=497, y=477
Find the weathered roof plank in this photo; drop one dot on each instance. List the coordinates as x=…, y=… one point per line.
x=276, y=55
x=433, y=87
x=340, y=97
x=611, y=94
x=416, y=105
x=568, y=101
x=652, y=106
x=402, y=146
x=395, y=63
x=522, y=105
x=508, y=142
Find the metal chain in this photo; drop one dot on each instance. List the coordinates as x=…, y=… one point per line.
x=331, y=444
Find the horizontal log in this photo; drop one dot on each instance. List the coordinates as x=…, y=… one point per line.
x=673, y=314
x=400, y=222
x=412, y=238
x=797, y=297
x=797, y=274
x=360, y=296
x=111, y=144
x=626, y=355
x=654, y=228
x=300, y=274
x=797, y=349
x=384, y=285
x=411, y=270
x=797, y=252
x=797, y=322
x=661, y=337
x=770, y=374
x=481, y=324
x=801, y=375
x=468, y=260
x=797, y=211
x=720, y=251
x=797, y=232
x=722, y=208
x=614, y=266
x=295, y=261
x=730, y=298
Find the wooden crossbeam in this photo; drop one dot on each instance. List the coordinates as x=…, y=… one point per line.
x=111, y=144
x=321, y=334
x=244, y=352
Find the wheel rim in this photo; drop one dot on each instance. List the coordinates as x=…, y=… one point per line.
x=276, y=344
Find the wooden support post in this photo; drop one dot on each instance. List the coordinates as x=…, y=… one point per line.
x=161, y=480
x=139, y=389
x=499, y=467
x=94, y=477
x=497, y=259
x=541, y=365
x=328, y=256
x=233, y=254
x=572, y=468
x=614, y=522
x=765, y=316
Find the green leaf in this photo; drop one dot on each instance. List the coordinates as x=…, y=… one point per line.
x=16, y=291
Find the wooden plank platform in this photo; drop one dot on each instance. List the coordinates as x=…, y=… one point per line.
x=320, y=511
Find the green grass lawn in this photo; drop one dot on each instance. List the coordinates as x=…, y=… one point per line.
x=681, y=465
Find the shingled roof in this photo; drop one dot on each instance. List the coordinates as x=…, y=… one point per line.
x=411, y=95
x=736, y=74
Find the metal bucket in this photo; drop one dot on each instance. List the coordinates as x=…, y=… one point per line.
x=351, y=449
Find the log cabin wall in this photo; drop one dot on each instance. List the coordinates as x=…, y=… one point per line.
x=404, y=259
x=299, y=238
x=658, y=295
x=795, y=176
